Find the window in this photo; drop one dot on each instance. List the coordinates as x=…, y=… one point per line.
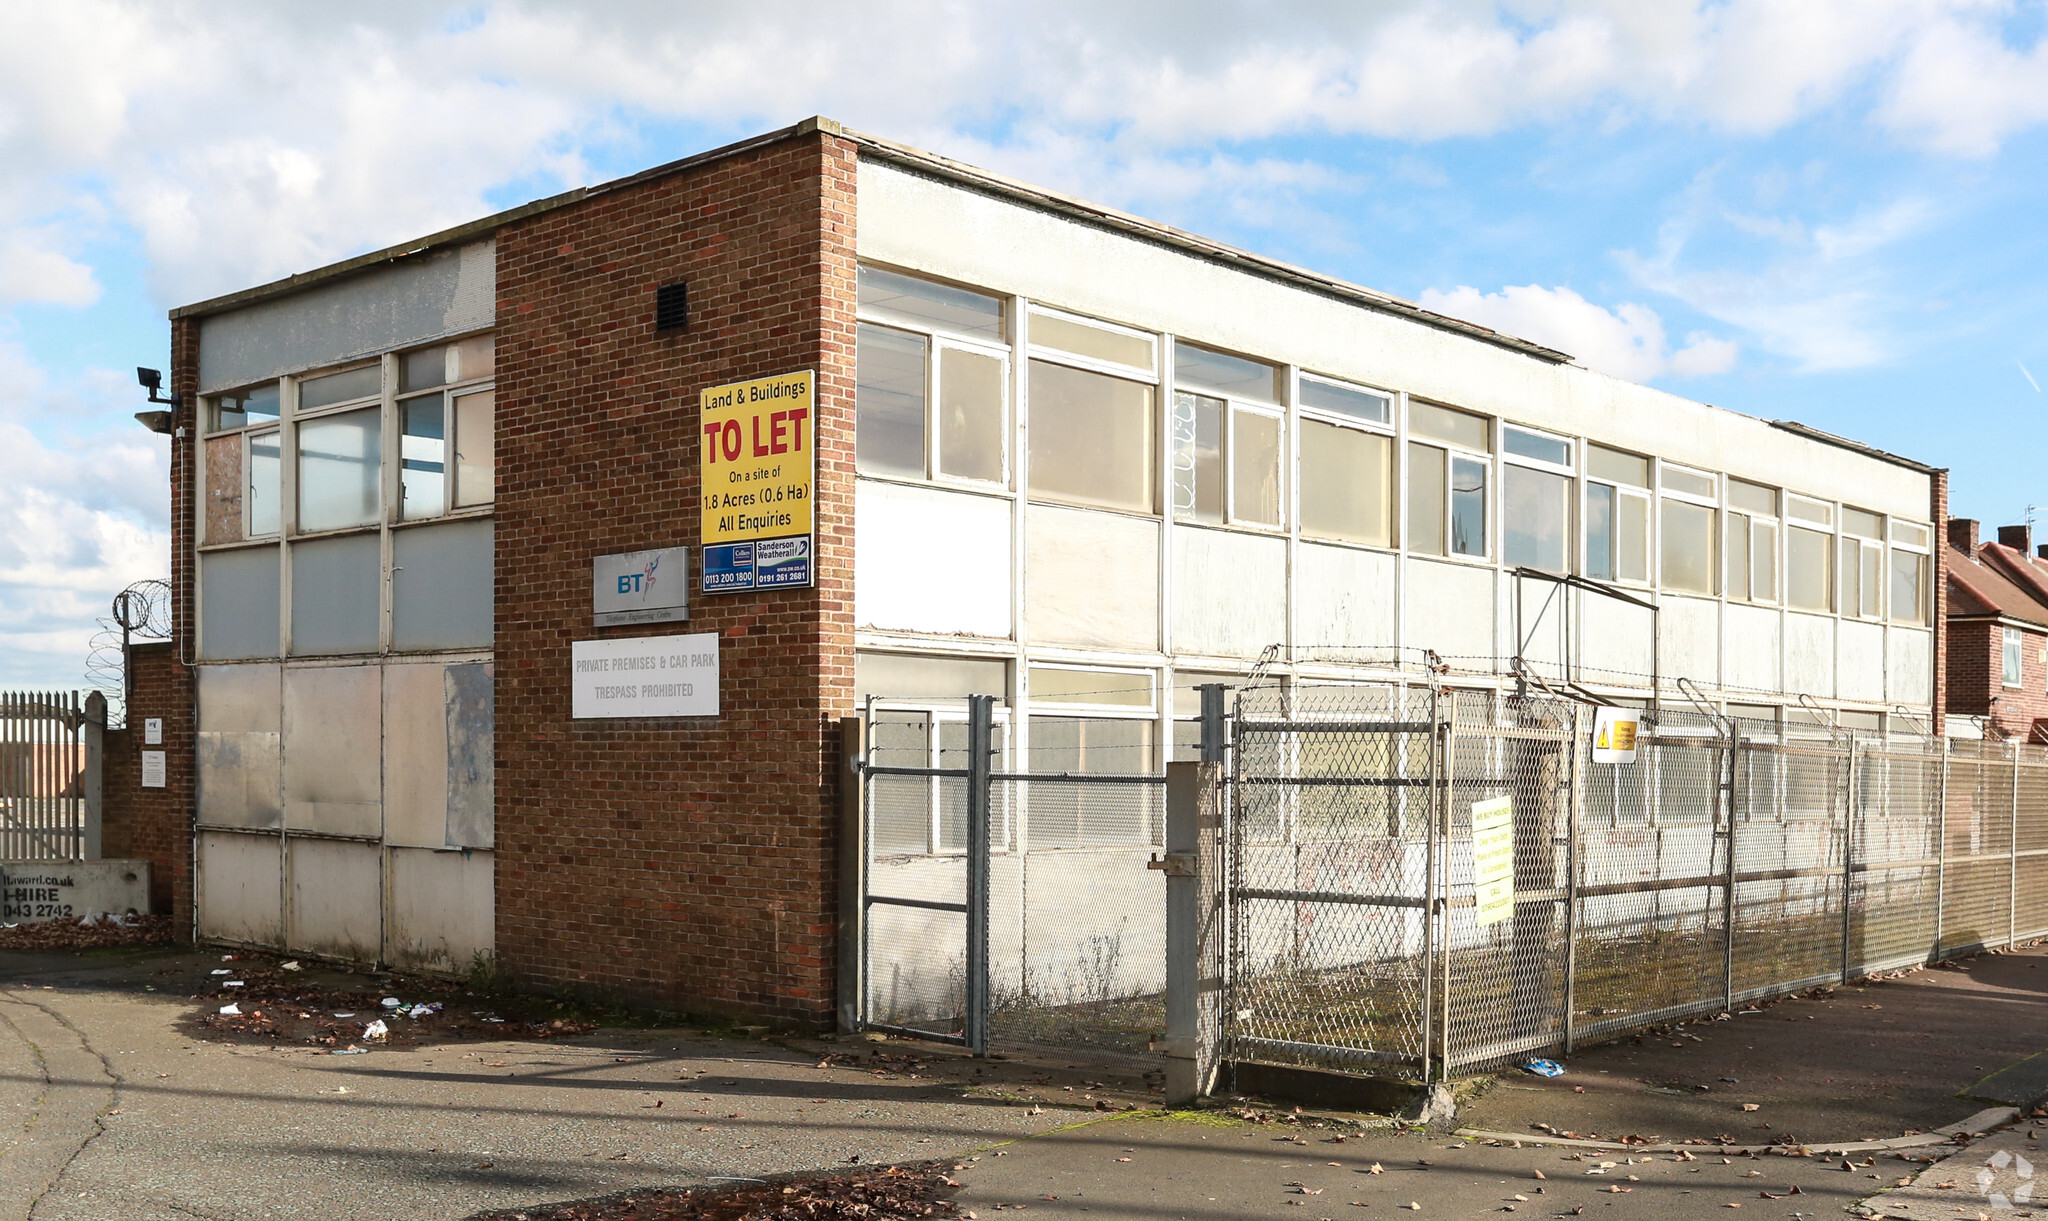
x=929, y=306
x=1862, y=559
x=1093, y=341
x=240, y=408
x=1091, y=439
x=889, y=402
x=1752, y=542
x=1910, y=568
x=1536, y=500
x=340, y=482
x=265, y=512
x=1347, y=462
x=1093, y=722
x=445, y=458
x=1617, y=515
x=2010, y=671
x=921, y=721
x=1687, y=518
x=1213, y=436
x=1447, y=483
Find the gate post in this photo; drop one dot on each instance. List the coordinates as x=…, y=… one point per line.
x=1849, y=810
x=1571, y=884
x=1730, y=804
x=1186, y=785
x=980, y=752
x=92, y=730
x=853, y=867
x=2012, y=878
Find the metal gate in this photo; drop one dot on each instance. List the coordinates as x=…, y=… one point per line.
x=989, y=906
x=49, y=775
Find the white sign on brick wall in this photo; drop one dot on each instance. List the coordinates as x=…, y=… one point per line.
x=647, y=676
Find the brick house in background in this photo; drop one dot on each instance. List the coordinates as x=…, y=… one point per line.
x=1997, y=633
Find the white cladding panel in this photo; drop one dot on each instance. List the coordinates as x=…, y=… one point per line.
x=1451, y=610
x=1091, y=578
x=923, y=224
x=1691, y=639
x=1229, y=592
x=240, y=888
x=415, y=755
x=1810, y=655
x=1616, y=640
x=442, y=906
x=1751, y=647
x=337, y=892
x=333, y=730
x=928, y=560
x=1859, y=661
x=1910, y=658
x=1344, y=597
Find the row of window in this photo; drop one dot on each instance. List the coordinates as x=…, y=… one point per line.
x=934, y=393
x=327, y=432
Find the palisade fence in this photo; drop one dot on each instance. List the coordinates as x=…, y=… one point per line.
x=1331, y=920
x=49, y=774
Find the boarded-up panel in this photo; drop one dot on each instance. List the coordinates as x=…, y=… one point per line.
x=337, y=891
x=1450, y=609
x=1091, y=578
x=1910, y=660
x=1346, y=598
x=1230, y=592
x=240, y=894
x=331, y=749
x=238, y=599
x=336, y=596
x=441, y=586
x=1810, y=655
x=1691, y=640
x=224, y=489
x=1859, y=661
x=416, y=756
x=240, y=714
x=931, y=561
x=472, y=721
x=443, y=910
x=1752, y=647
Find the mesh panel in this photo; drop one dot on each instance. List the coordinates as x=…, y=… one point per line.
x=1895, y=846
x=2031, y=890
x=1977, y=841
x=1328, y=851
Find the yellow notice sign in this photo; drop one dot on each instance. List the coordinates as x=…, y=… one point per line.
x=758, y=466
x=1493, y=859
x=1614, y=734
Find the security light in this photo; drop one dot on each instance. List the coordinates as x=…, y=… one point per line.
x=152, y=380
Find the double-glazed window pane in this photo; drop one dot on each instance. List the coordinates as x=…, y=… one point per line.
x=338, y=470
x=1444, y=424
x=1091, y=438
x=423, y=456
x=1468, y=506
x=1197, y=457
x=1860, y=578
x=1630, y=469
x=1225, y=374
x=476, y=462
x=1536, y=519
x=1809, y=569
x=2010, y=674
x=889, y=401
x=1076, y=815
x=1255, y=468
x=318, y=392
x=1617, y=534
x=1752, y=557
x=1688, y=547
x=1909, y=583
x=1346, y=400
x=1347, y=483
x=1425, y=499
x=1095, y=342
x=971, y=397
x=922, y=302
x=264, y=494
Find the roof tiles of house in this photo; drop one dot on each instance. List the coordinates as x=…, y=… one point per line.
x=1997, y=580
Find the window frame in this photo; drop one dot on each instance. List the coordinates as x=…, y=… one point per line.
x=2013, y=659
x=1452, y=451
x=1870, y=554
x=937, y=342
x=1396, y=469
x=1227, y=455
x=1645, y=496
x=937, y=712
x=1712, y=503
x=1033, y=350
x=1923, y=596
x=1753, y=521
x=1574, y=495
x=449, y=392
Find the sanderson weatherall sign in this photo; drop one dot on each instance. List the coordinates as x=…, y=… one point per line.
x=757, y=472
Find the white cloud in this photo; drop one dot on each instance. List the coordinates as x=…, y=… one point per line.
x=1627, y=341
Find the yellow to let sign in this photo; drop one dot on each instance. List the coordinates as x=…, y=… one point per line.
x=758, y=467
x=1493, y=859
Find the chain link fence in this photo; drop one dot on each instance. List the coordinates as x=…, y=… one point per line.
x=1731, y=861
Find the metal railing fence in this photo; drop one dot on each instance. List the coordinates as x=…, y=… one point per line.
x=48, y=774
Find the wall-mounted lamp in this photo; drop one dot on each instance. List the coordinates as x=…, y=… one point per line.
x=152, y=380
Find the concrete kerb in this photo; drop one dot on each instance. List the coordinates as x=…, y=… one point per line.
x=1979, y=1124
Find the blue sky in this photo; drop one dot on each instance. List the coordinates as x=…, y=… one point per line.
x=1828, y=212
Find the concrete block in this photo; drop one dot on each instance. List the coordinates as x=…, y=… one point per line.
x=35, y=891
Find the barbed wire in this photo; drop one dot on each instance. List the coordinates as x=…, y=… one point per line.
x=142, y=611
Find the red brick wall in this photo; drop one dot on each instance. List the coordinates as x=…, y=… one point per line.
x=682, y=863
x=1976, y=678
x=153, y=824
x=1939, y=596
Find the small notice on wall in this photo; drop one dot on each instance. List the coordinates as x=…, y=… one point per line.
x=152, y=769
x=645, y=676
x=1493, y=859
x=1614, y=734
x=153, y=731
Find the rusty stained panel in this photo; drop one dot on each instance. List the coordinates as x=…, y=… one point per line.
x=443, y=909
x=224, y=485
x=416, y=755
x=332, y=750
x=240, y=887
x=337, y=897
x=240, y=722
x=472, y=715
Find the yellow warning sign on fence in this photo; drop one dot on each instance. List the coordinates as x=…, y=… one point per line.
x=1493, y=859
